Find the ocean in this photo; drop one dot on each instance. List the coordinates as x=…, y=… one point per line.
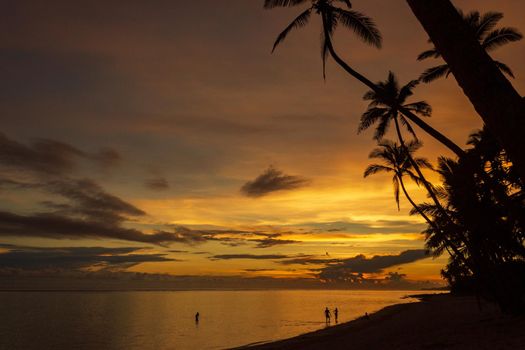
x=166, y=320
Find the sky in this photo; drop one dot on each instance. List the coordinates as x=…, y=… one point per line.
x=165, y=138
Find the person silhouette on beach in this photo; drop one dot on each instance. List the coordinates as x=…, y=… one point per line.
x=197, y=315
x=336, y=314
x=327, y=315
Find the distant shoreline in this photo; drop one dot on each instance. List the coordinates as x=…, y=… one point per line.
x=74, y=290
x=439, y=321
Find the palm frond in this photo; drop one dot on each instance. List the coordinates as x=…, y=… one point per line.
x=376, y=168
x=500, y=37
x=413, y=176
x=423, y=163
x=362, y=25
x=412, y=146
x=428, y=54
x=370, y=95
x=395, y=183
x=330, y=22
x=472, y=19
x=504, y=68
x=407, y=91
x=407, y=125
x=298, y=22
x=370, y=117
x=347, y=3
x=434, y=73
x=487, y=22
x=420, y=107
x=269, y=4
x=381, y=129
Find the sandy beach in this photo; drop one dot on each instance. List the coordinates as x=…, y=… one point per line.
x=437, y=322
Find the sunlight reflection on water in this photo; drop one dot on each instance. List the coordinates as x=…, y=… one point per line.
x=165, y=320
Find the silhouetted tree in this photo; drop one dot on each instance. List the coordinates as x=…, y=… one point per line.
x=482, y=27
x=332, y=15
x=500, y=106
x=395, y=160
x=399, y=160
x=384, y=108
x=484, y=199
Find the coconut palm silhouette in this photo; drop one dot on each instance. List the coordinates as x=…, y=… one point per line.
x=333, y=15
x=482, y=25
x=395, y=159
x=399, y=160
x=384, y=108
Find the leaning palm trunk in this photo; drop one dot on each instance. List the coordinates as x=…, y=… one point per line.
x=432, y=195
x=492, y=95
x=429, y=221
x=427, y=128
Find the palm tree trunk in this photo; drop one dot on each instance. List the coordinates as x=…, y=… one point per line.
x=414, y=118
x=432, y=195
x=431, y=223
x=433, y=132
x=343, y=64
x=418, y=169
x=418, y=209
x=492, y=95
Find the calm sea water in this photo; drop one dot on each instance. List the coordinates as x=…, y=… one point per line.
x=165, y=320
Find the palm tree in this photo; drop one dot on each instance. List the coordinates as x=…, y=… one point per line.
x=395, y=160
x=399, y=160
x=364, y=27
x=489, y=38
x=332, y=15
x=384, y=108
x=497, y=102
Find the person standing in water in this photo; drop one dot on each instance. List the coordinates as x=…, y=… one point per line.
x=197, y=315
x=327, y=315
x=336, y=314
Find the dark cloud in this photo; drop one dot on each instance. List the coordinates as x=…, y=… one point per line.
x=157, y=184
x=90, y=200
x=309, y=260
x=271, y=242
x=364, y=227
x=248, y=256
x=62, y=227
x=75, y=258
x=354, y=268
x=272, y=180
x=50, y=157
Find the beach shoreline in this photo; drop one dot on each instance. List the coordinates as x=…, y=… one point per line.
x=441, y=321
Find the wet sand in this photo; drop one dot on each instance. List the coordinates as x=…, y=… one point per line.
x=437, y=322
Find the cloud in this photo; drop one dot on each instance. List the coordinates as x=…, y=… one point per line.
x=62, y=227
x=309, y=260
x=248, y=256
x=75, y=258
x=88, y=199
x=365, y=227
x=157, y=184
x=271, y=242
x=272, y=180
x=50, y=157
x=353, y=268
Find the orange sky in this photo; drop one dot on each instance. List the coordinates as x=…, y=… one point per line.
x=191, y=103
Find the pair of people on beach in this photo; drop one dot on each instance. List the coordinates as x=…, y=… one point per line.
x=328, y=315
